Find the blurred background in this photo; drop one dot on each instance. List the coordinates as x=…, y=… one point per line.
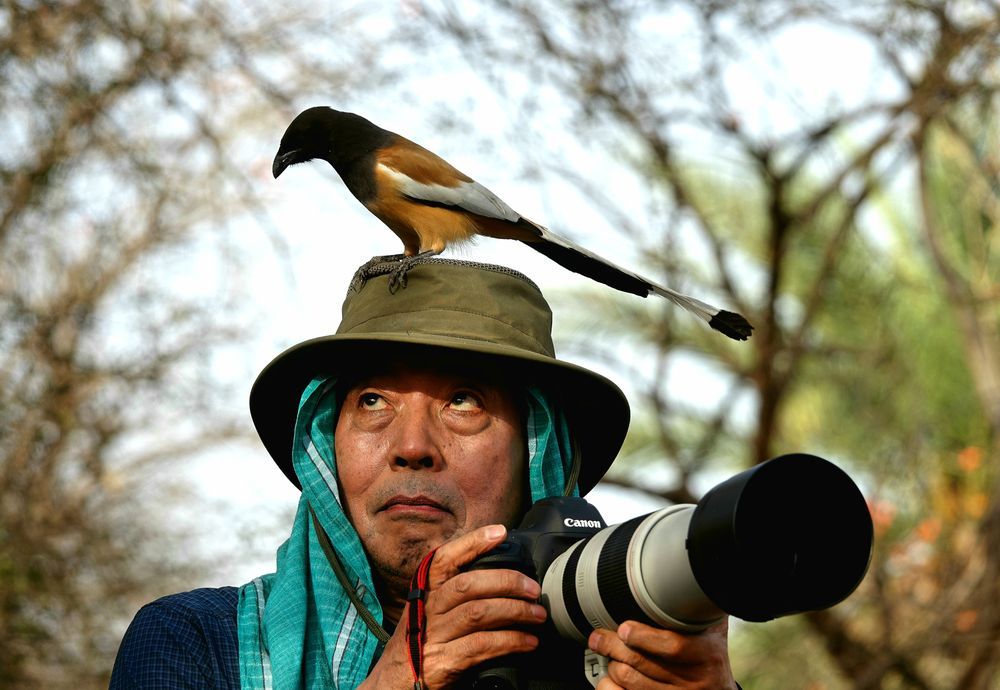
x=828, y=169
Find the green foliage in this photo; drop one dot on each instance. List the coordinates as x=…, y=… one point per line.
x=802, y=663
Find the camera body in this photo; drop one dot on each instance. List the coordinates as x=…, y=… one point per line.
x=550, y=528
x=792, y=534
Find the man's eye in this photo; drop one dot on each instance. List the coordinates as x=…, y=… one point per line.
x=465, y=402
x=371, y=401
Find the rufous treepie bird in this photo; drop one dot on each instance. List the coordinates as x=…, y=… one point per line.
x=430, y=205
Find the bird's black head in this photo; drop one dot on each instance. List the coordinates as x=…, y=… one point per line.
x=329, y=134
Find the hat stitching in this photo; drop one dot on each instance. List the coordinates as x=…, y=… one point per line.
x=380, y=266
x=462, y=311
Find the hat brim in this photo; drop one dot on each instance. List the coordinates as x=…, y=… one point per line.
x=595, y=408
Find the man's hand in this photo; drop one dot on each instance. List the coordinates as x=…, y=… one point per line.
x=646, y=658
x=470, y=616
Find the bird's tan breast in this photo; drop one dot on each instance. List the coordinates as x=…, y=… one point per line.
x=420, y=226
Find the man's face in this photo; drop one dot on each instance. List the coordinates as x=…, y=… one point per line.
x=424, y=455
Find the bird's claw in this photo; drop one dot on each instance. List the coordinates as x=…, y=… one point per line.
x=397, y=278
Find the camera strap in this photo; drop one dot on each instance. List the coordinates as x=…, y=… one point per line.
x=416, y=623
x=338, y=569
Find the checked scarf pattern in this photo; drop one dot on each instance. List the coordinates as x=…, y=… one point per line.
x=297, y=628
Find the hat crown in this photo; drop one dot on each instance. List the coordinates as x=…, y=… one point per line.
x=459, y=300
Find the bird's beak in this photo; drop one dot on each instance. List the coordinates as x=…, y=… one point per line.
x=283, y=160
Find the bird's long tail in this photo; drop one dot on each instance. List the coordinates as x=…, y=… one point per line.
x=586, y=263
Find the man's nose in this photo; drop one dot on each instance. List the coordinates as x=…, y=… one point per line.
x=415, y=445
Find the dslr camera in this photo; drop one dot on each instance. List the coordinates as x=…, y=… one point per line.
x=792, y=534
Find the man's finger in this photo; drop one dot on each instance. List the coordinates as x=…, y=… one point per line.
x=483, y=584
x=485, y=614
x=640, y=653
x=445, y=662
x=608, y=643
x=454, y=554
x=675, y=647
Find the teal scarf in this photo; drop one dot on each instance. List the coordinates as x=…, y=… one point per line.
x=297, y=627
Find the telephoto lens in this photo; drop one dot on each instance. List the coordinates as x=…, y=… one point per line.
x=792, y=534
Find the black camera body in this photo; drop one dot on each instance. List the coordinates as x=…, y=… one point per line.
x=549, y=529
x=792, y=534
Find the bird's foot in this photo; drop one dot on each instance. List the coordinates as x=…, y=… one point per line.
x=387, y=259
x=397, y=279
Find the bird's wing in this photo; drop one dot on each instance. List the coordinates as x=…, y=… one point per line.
x=424, y=176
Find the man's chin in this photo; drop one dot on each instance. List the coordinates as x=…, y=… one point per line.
x=401, y=547
x=399, y=560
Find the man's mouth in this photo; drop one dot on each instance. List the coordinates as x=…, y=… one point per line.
x=418, y=504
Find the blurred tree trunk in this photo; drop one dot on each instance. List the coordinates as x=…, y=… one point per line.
x=132, y=139
x=862, y=242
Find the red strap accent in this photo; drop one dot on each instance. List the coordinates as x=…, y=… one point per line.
x=416, y=632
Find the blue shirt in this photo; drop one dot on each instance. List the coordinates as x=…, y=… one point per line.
x=185, y=640
x=189, y=640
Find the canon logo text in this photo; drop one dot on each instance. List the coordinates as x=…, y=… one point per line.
x=570, y=522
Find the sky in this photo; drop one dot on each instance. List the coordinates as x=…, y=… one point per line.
x=329, y=235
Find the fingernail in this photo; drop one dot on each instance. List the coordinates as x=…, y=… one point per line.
x=624, y=630
x=532, y=588
x=495, y=531
x=594, y=642
x=539, y=612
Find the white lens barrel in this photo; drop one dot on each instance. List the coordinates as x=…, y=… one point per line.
x=571, y=591
x=560, y=601
x=657, y=586
x=659, y=573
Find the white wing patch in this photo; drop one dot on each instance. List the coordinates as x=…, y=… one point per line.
x=470, y=196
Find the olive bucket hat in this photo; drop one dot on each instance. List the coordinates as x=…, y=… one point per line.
x=490, y=316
